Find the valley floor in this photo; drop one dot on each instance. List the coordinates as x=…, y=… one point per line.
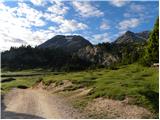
x=130, y=91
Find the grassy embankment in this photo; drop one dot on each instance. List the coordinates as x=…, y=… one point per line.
x=135, y=81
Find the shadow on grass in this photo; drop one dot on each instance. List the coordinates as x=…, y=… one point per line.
x=21, y=75
x=153, y=97
x=7, y=80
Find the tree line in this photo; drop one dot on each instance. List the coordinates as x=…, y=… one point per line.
x=27, y=57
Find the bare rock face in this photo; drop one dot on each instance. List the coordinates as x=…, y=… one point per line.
x=97, y=55
x=144, y=34
x=67, y=43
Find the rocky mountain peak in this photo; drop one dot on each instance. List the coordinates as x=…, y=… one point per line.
x=130, y=37
x=70, y=43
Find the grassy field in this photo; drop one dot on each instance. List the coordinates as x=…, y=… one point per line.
x=135, y=81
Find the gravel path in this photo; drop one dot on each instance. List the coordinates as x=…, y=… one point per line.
x=36, y=103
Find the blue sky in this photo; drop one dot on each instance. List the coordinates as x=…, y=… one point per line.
x=35, y=21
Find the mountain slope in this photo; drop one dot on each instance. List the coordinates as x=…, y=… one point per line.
x=98, y=54
x=131, y=37
x=67, y=43
x=144, y=34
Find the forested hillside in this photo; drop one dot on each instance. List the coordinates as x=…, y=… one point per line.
x=26, y=57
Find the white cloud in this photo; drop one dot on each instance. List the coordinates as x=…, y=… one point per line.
x=104, y=26
x=65, y=25
x=118, y=3
x=86, y=9
x=53, y=17
x=52, y=28
x=42, y=35
x=58, y=8
x=136, y=10
x=56, y=14
x=31, y=15
x=71, y=26
x=16, y=26
x=129, y=23
x=37, y=2
x=17, y=23
x=100, y=38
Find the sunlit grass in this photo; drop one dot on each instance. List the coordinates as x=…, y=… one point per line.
x=136, y=81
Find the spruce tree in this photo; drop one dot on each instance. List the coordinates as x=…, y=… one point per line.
x=152, y=49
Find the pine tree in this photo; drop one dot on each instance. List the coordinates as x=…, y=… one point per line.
x=152, y=50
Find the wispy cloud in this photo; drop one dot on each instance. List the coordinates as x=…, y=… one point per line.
x=58, y=8
x=118, y=3
x=17, y=24
x=65, y=25
x=37, y=2
x=86, y=9
x=31, y=15
x=136, y=10
x=102, y=37
x=104, y=25
x=71, y=26
x=128, y=23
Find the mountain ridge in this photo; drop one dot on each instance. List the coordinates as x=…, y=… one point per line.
x=130, y=37
x=73, y=43
x=75, y=52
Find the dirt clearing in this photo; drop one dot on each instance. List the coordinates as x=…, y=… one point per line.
x=109, y=109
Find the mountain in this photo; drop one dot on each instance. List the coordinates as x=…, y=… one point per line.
x=131, y=37
x=109, y=53
x=76, y=53
x=67, y=43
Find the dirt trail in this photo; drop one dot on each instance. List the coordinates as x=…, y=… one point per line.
x=41, y=102
x=36, y=103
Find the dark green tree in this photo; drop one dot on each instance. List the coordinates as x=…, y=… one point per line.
x=27, y=57
x=152, y=50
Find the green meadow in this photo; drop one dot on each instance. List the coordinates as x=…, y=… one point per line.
x=132, y=81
